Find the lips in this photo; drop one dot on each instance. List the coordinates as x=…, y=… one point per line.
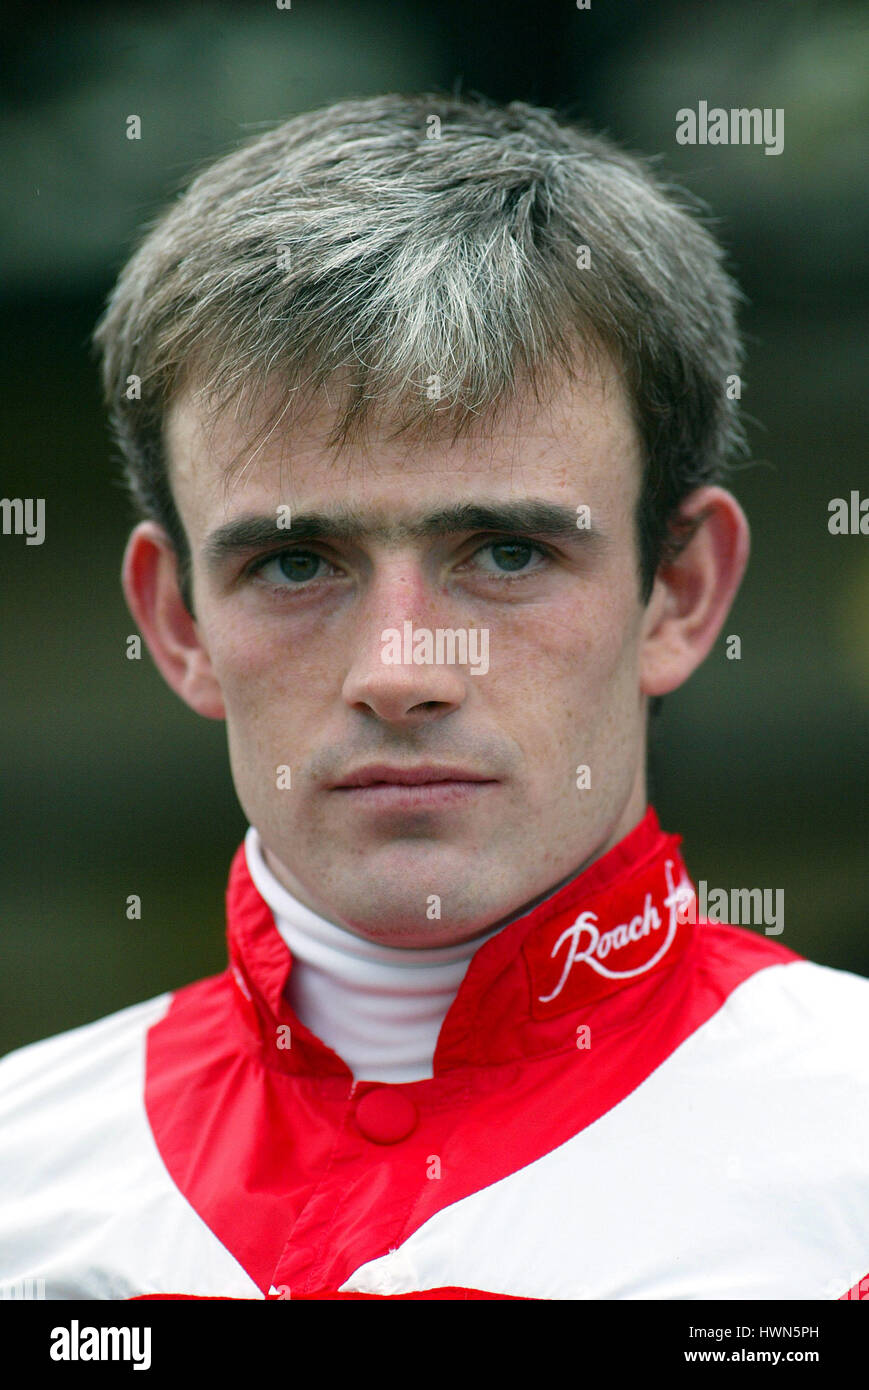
x=381, y=774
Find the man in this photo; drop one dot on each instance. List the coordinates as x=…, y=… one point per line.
x=424, y=404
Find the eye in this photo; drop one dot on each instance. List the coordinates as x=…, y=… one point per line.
x=511, y=557
x=290, y=568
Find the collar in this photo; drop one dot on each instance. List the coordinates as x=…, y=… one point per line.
x=612, y=927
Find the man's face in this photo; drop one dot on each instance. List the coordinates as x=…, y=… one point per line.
x=294, y=630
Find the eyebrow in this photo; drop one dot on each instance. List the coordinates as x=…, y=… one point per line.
x=529, y=516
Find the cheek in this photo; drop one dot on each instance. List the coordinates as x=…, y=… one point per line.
x=260, y=680
x=242, y=663
x=257, y=678
x=261, y=665
x=581, y=705
x=583, y=648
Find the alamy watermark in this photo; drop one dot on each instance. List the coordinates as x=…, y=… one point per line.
x=23, y=516
x=77, y=1343
x=848, y=518
x=738, y=907
x=741, y=125
x=446, y=646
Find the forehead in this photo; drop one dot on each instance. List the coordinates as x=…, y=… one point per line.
x=578, y=441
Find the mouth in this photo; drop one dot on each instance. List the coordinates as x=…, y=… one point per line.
x=381, y=774
x=407, y=787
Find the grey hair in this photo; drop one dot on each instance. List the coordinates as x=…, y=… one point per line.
x=380, y=244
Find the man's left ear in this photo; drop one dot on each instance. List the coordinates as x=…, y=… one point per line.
x=693, y=593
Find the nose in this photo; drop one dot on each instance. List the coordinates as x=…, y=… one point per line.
x=383, y=678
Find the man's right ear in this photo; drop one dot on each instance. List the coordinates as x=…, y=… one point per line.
x=150, y=579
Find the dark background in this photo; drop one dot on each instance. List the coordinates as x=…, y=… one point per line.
x=110, y=785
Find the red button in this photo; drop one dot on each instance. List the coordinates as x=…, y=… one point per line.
x=385, y=1115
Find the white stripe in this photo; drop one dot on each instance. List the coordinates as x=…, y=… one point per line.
x=86, y=1203
x=738, y=1170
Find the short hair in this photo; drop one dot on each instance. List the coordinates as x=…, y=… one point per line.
x=388, y=243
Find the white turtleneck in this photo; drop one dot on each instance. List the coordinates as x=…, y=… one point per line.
x=379, y=1007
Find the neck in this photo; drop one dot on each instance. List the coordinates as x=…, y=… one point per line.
x=379, y=1007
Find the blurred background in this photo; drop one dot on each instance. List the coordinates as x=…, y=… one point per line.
x=110, y=785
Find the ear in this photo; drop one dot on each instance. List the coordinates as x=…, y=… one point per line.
x=150, y=579
x=693, y=593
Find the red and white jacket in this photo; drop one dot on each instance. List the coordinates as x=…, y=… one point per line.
x=624, y=1105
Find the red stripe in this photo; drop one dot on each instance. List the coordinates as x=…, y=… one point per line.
x=273, y=1162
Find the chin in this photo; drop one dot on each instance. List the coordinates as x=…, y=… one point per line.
x=420, y=908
